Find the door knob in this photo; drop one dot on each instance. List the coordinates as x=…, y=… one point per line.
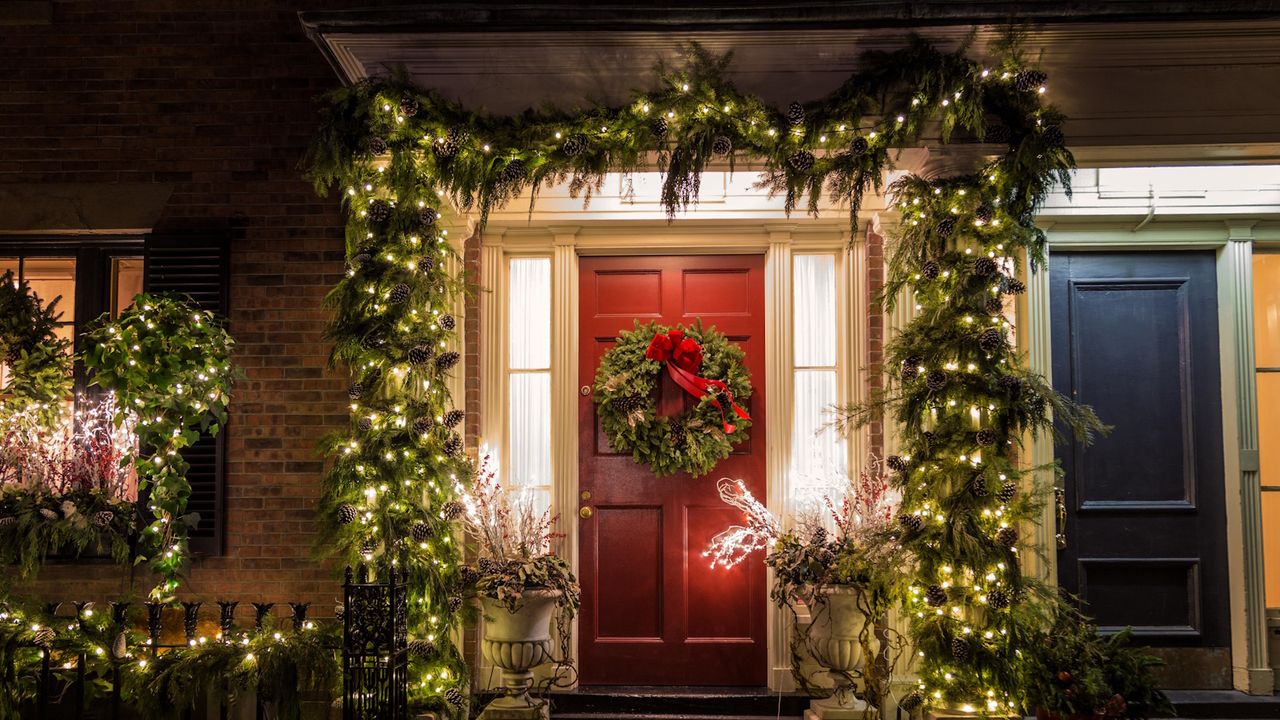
x=585, y=512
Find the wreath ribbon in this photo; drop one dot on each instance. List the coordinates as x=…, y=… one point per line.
x=683, y=357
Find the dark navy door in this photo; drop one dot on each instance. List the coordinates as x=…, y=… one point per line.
x=1135, y=335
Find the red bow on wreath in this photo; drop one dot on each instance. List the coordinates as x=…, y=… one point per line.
x=683, y=357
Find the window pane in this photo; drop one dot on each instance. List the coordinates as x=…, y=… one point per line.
x=819, y=464
x=529, y=463
x=814, y=283
x=1269, y=445
x=530, y=313
x=126, y=283
x=1266, y=309
x=51, y=278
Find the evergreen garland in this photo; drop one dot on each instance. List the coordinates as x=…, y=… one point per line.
x=399, y=152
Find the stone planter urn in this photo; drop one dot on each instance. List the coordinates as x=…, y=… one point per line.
x=516, y=642
x=834, y=643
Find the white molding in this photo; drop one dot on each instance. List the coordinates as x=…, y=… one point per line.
x=564, y=399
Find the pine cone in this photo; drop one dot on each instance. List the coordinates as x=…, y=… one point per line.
x=365, y=424
x=468, y=575
x=454, y=697
x=409, y=106
x=1009, y=383
x=421, y=648
x=453, y=510
x=447, y=360
x=628, y=404
x=911, y=522
x=1007, y=537
x=985, y=213
x=1014, y=286
x=420, y=354
x=447, y=322
x=659, y=128
x=444, y=148
x=984, y=266
x=355, y=390
x=859, y=146
x=102, y=519
x=421, y=532
x=912, y=701
x=993, y=306
x=801, y=160
x=911, y=368
x=42, y=637
x=377, y=146
x=369, y=547
x=514, y=171
x=896, y=463
x=935, y=595
x=959, y=649
x=359, y=259
x=1008, y=492
x=930, y=270
x=991, y=340
x=1028, y=80
x=455, y=603
x=423, y=425
x=999, y=134
x=428, y=217
x=721, y=145
x=453, y=446
x=379, y=211
x=978, y=485
x=399, y=294
x=574, y=145
x=453, y=417
x=936, y=380
x=985, y=437
x=346, y=514
x=819, y=536
x=998, y=599
x=946, y=226
x=795, y=113
x=372, y=342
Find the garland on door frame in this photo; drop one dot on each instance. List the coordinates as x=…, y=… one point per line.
x=703, y=363
x=400, y=154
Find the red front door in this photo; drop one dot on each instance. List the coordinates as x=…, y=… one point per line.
x=653, y=611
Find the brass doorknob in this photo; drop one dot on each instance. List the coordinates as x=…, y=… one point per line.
x=585, y=512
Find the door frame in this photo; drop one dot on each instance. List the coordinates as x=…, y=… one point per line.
x=1232, y=241
x=778, y=242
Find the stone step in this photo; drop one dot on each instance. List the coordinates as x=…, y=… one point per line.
x=685, y=703
x=616, y=716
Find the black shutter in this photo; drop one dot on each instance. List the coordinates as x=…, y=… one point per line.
x=198, y=266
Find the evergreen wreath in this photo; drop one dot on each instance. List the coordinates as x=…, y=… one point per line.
x=693, y=441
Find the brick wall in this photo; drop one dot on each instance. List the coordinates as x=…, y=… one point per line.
x=217, y=99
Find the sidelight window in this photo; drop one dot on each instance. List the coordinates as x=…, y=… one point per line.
x=1266, y=318
x=819, y=457
x=528, y=452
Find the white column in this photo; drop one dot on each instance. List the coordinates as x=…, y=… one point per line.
x=493, y=345
x=1033, y=339
x=565, y=395
x=779, y=361
x=1258, y=676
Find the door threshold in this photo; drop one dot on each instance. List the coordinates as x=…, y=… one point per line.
x=672, y=701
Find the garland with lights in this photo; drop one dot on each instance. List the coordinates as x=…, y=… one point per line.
x=706, y=365
x=275, y=662
x=402, y=153
x=171, y=366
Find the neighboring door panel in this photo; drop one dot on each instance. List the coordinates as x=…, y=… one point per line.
x=1135, y=335
x=654, y=612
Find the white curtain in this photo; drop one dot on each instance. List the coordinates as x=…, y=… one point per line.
x=529, y=387
x=819, y=459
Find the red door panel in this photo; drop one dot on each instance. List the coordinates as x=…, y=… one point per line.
x=653, y=611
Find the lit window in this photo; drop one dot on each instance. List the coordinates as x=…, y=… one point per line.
x=819, y=459
x=528, y=462
x=1266, y=319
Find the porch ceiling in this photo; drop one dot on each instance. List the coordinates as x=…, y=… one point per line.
x=1137, y=85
